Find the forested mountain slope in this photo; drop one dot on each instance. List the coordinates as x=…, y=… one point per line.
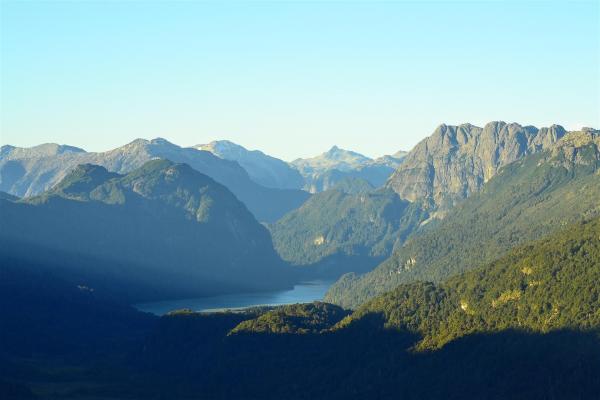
x=543, y=286
x=527, y=199
x=162, y=230
x=525, y=326
x=336, y=232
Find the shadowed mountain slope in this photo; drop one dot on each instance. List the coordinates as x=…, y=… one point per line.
x=163, y=229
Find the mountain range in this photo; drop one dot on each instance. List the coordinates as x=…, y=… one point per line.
x=163, y=230
x=263, y=169
x=29, y=171
x=524, y=326
x=326, y=170
x=524, y=201
x=473, y=270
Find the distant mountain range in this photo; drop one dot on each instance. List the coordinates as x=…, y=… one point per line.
x=263, y=169
x=355, y=230
x=267, y=185
x=163, y=230
x=326, y=170
x=27, y=172
x=314, y=174
x=442, y=171
x=475, y=271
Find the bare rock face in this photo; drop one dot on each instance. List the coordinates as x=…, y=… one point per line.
x=455, y=161
x=577, y=148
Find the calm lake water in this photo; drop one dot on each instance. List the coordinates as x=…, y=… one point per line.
x=302, y=293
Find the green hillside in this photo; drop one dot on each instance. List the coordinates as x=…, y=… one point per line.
x=294, y=319
x=540, y=287
x=526, y=200
x=523, y=327
x=337, y=232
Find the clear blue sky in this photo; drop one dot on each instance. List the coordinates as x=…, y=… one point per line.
x=291, y=79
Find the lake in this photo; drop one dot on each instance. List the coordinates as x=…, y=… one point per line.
x=305, y=292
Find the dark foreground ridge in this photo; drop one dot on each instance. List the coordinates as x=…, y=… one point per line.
x=523, y=327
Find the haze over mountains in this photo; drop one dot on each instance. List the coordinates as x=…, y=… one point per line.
x=326, y=170
x=263, y=169
x=366, y=209
x=477, y=255
x=26, y=172
x=161, y=231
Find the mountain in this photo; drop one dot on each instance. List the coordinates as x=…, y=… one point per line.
x=543, y=286
x=314, y=317
x=456, y=161
x=324, y=171
x=505, y=330
x=164, y=230
x=27, y=172
x=525, y=326
x=263, y=169
x=393, y=160
x=336, y=232
x=523, y=201
x=43, y=150
x=352, y=185
x=334, y=158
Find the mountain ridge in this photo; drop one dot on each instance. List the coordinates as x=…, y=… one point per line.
x=262, y=168
x=456, y=161
x=165, y=229
x=324, y=171
x=527, y=198
x=23, y=172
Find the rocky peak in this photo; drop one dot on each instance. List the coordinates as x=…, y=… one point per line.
x=161, y=142
x=577, y=148
x=226, y=149
x=334, y=151
x=334, y=158
x=392, y=161
x=455, y=161
x=262, y=168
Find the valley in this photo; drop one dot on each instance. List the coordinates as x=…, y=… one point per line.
x=161, y=282
x=299, y=200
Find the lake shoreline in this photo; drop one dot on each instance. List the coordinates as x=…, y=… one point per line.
x=303, y=292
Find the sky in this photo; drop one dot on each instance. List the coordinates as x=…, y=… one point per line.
x=291, y=78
